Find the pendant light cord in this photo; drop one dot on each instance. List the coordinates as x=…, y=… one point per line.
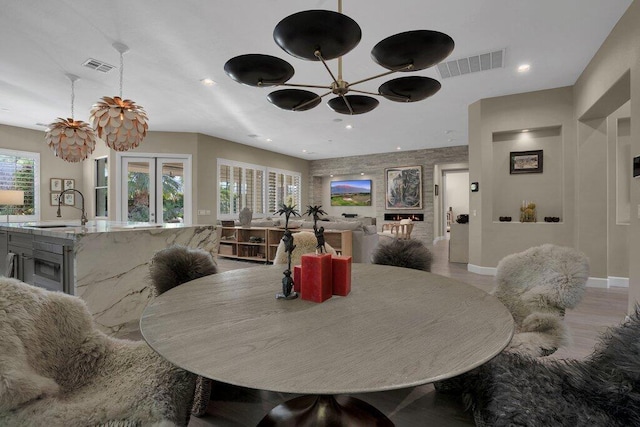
x=73, y=97
x=121, y=73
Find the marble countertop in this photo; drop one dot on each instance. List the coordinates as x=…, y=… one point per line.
x=70, y=229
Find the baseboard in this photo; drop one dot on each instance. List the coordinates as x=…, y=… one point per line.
x=618, y=282
x=437, y=239
x=596, y=282
x=478, y=269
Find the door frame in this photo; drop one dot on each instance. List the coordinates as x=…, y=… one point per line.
x=188, y=182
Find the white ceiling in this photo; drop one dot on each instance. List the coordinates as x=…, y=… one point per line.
x=174, y=44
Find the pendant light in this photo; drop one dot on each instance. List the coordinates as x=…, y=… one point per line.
x=69, y=139
x=120, y=123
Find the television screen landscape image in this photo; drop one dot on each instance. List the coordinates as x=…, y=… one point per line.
x=351, y=193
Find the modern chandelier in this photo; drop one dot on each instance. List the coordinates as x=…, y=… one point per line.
x=323, y=35
x=71, y=140
x=119, y=122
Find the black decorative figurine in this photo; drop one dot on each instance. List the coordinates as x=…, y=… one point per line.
x=287, y=239
x=316, y=211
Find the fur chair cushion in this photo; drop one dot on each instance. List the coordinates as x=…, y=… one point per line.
x=57, y=369
x=537, y=285
x=603, y=390
x=410, y=253
x=177, y=264
x=305, y=242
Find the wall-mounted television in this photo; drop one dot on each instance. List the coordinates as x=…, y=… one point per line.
x=351, y=193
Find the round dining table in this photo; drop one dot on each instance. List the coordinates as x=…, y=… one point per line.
x=397, y=328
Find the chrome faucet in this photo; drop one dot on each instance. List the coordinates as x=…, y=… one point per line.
x=83, y=218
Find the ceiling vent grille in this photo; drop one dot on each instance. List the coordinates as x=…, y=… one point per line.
x=472, y=64
x=101, y=66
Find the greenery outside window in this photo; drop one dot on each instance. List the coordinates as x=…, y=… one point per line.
x=20, y=170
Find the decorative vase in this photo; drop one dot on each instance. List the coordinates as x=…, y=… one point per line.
x=246, y=215
x=528, y=211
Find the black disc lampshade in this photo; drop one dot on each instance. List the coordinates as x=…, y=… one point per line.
x=302, y=33
x=420, y=48
x=258, y=70
x=409, y=89
x=359, y=104
x=294, y=99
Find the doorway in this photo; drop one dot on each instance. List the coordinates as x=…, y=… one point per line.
x=154, y=188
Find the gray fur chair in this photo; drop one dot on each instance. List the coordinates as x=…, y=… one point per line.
x=305, y=242
x=600, y=391
x=409, y=253
x=537, y=286
x=57, y=369
x=174, y=266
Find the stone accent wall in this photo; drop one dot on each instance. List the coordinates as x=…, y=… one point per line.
x=375, y=164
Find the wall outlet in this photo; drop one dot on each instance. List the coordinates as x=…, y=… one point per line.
x=201, y=212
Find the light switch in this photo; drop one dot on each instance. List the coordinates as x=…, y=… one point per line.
x=201, y=212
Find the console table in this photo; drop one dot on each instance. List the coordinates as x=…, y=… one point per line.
x=260, y=243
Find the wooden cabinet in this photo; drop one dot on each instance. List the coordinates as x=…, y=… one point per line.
x=261, y=243
x=244, y=243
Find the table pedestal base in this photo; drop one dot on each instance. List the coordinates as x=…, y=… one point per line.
x=324, y=411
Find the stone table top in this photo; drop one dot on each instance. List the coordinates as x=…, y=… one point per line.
x=397, y=328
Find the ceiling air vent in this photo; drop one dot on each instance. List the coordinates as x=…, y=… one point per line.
x=472, y=64
x=101, y=66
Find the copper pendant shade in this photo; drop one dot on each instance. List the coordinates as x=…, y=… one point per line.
x=119, y=122
x=322, y=35
x=71, y=140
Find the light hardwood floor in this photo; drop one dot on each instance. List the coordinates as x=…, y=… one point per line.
x=419, y=406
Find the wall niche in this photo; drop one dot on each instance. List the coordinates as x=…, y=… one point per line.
x=511, y=188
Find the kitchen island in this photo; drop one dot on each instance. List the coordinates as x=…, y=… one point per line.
x=106, y=263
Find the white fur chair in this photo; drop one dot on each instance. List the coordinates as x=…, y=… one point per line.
x=57, y=369
x=305, y=242
x=537, y=286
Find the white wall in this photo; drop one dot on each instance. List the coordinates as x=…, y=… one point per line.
x=456, y=190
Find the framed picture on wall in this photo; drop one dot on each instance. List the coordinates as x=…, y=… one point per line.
x=404, y=187
x=54, y=198
x=55, y=184
x=69, y=184
x=69, y=199
x=526, y=162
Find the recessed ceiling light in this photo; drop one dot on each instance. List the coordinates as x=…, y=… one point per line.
x=398, y=148
x=304, y=151
x=524, y=68
x=207, y=82
x=331, y=175
x=349, y=126
x=269, y=139
x=525, y=130
x=361, y=173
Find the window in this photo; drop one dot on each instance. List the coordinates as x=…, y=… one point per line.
x=243, y=184
x=20, y=170
x=102, y=187
x=284, y=188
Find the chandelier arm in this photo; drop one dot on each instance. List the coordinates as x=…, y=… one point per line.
x=346, y=101
x=406, y=67
x=318, y=55
x=399, y=97
x=302, y=85
x=304, y=104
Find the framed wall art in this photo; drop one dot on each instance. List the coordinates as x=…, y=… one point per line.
x=69, y=184
x=526, y=162
x=54, y=198
x=404, y=187
x=55, y=184
x=69, y=199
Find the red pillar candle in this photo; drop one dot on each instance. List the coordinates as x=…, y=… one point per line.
x=341, y=273
x=316, y=277
x=297, y=277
